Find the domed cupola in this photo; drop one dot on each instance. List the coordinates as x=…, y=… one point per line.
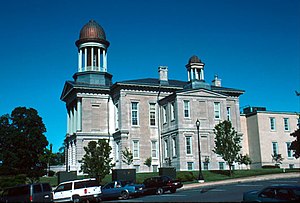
x=195, y=69
x=92, y=48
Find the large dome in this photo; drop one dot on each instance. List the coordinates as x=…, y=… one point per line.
x=92, y=32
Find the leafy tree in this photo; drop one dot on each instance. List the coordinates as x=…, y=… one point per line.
x=148, y=162
x=244, y=159
x=277, y=158
x=96, y=161
x=295, y=145
x=24, y=143
x=127, y=156
x=227, y=143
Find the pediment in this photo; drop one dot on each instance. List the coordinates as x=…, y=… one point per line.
x=201, y=93
x=66, y=90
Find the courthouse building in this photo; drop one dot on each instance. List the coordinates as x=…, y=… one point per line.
x=153, y=117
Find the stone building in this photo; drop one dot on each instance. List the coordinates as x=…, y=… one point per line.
x=267, y=133
x=153, y=117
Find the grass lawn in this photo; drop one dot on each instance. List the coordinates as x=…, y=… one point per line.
x=191, y=176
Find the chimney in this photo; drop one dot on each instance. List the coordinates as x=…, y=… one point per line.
x=163, y=74
x=216, y=81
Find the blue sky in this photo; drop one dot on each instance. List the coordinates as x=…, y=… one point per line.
x=252, y=45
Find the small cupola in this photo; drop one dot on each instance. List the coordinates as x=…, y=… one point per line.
x=195, y=69
x=216, y=82
x=163, y=74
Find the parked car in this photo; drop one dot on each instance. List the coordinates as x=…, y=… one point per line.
x=161, y=184
x=77, y=191
x=37, y=192
x=123, y=189
x=274, y=193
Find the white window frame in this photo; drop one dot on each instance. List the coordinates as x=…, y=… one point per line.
x=275, y=148
x=164, y=108
x=117, y=116
x=136, y=149
x=133, y=111
x=174, y=147
x=272, y=124
x=190, y=166
x=152, y=114
x=286, y=123
x=166, y=148
x=228, y=113
x=190, y=145
x=186, y=109
x=172, y=111
x=154, y=147
x=217, y=110
x=289, y=151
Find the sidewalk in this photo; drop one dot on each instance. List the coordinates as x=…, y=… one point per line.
x=243, y=180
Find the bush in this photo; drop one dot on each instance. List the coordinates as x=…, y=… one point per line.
x=10, y=181
x=270, y=166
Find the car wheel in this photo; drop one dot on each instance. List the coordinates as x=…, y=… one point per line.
x=159, y=191
x=76, y=199
x=173, y=190
x=124, y=194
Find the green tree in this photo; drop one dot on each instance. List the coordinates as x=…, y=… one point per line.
x=244, y=159
x=227, y=143
x=24, y=143
x=295, y=145
x=96, y=161
x=277, y=158
x=127, y=156
x=148, y=162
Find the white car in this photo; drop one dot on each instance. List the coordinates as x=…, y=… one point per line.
x=77, y=191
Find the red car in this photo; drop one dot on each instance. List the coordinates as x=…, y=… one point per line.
x=161, y=184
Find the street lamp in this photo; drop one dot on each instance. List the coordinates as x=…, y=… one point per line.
x=200, y=177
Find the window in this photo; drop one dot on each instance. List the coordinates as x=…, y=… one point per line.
x=188, y=144
x=190, y=166
x=166, y=149
x=117, y=115
x=154, y=149
x=286, y=124
x=217, y=110
x=289, y=152
x=272, y=123
x=164, y=114
x=221, y=165
x=155, y=168
x=152, y=111
x=275, y=148
x=205, y=165
x=174, y=146
x=134, y=113
x=136, y=149
x=228, y=114
x=172, y=111
x=186, y=107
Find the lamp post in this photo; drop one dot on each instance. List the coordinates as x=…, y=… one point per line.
x=200, y=177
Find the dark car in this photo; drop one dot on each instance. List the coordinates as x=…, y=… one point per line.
x=161, y=184
x=37, y=192
x=123, y=189
x=274, y=193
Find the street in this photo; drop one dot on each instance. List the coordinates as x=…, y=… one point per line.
x=219, y=193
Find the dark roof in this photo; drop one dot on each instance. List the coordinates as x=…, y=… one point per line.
x=154, y=82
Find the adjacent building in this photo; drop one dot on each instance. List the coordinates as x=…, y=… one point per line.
x=268, y=133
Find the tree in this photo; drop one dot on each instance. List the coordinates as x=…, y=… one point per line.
x=127, y=156
x=295, y=145
x=227, y=143
x=277, y=158
x=148, y=162
x=24, y=143
x=96, y=161
x=244, y=159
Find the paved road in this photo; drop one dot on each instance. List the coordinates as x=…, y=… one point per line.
x=222, y=191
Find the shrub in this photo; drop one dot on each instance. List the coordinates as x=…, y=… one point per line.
x=270, y=166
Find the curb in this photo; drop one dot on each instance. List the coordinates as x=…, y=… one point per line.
x=242, y=180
